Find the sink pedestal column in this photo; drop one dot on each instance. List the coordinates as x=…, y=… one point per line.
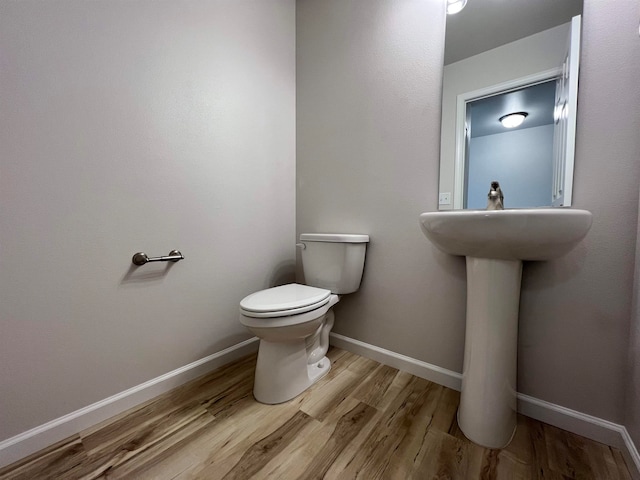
x=487, y=413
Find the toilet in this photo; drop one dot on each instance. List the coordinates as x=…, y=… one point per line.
x=293, y=321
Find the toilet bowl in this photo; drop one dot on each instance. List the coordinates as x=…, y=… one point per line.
x=293, y=346
x=293, y=321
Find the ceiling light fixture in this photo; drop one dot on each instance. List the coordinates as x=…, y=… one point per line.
x=513, y=120
x=454, y=6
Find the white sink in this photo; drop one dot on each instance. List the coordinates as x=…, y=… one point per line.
x=518, y=234
x=495, y=243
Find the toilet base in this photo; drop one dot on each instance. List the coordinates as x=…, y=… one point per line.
x=318, y=370
x=282, y=371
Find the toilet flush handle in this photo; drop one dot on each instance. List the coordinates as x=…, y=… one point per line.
x=301, y=246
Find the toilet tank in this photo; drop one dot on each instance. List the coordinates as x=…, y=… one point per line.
x=334, y=261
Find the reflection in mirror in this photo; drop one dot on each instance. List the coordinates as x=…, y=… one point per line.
x=490, y=146
x=502, y=58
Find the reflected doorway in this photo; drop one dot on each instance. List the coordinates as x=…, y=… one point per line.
x=521, y=157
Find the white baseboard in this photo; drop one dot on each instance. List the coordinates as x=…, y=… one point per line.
x=425, y=370
x=573, y=421
x=15, y=448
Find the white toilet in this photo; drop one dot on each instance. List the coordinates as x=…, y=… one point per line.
x=293, y=321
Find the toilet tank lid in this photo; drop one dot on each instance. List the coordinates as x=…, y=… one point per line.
x=334, y=237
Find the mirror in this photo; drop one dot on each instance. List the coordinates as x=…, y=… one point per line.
x=500, y=58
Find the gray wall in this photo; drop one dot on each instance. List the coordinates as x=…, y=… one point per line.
x=367, y=157
x=128, y=126
x=632, y=420
x=520, y=159
x=368, y=95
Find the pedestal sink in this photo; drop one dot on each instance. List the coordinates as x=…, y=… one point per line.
x=495, y=243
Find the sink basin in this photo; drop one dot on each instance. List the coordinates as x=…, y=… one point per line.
x=495, y=243
x=518, y=234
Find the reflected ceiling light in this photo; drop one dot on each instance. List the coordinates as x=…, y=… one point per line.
x=513, y=120
x=454, y=6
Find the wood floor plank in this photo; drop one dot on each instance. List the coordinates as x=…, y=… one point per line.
x=340, y=361
x=623, y=470
x=521, y=446
x=486, y=461
x=259, y=454
x=454, y=428
x=374, y=459
x=362, y=366
x=170, y=467
x=344, y=458
x=242, y=422
x=446, y=457
x=220, y=437
x=400, y=382
x=346, y=430
x=412, y=445
x=516, y=461
x=445, y=415
x=541, y=458
x=62, y=460
x=343, y=360
x=293, y=461
x=513, y=462
x=313, y=456
x=372, y=391
x=233, y=436
x=602, y=461
x=320, y=400
x=500, y=465
x=567, y=455
x=228, y=381
x=339, y=358
x=150, y=433
x=218, y=403
x=127, y=461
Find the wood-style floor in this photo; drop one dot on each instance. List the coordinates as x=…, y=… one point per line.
x=363, y=420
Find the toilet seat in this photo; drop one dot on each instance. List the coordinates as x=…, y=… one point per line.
x=285, y=300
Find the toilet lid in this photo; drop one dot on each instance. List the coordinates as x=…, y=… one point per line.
x=284, y=300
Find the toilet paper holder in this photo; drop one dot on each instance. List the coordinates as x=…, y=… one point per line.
x=141, y=258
